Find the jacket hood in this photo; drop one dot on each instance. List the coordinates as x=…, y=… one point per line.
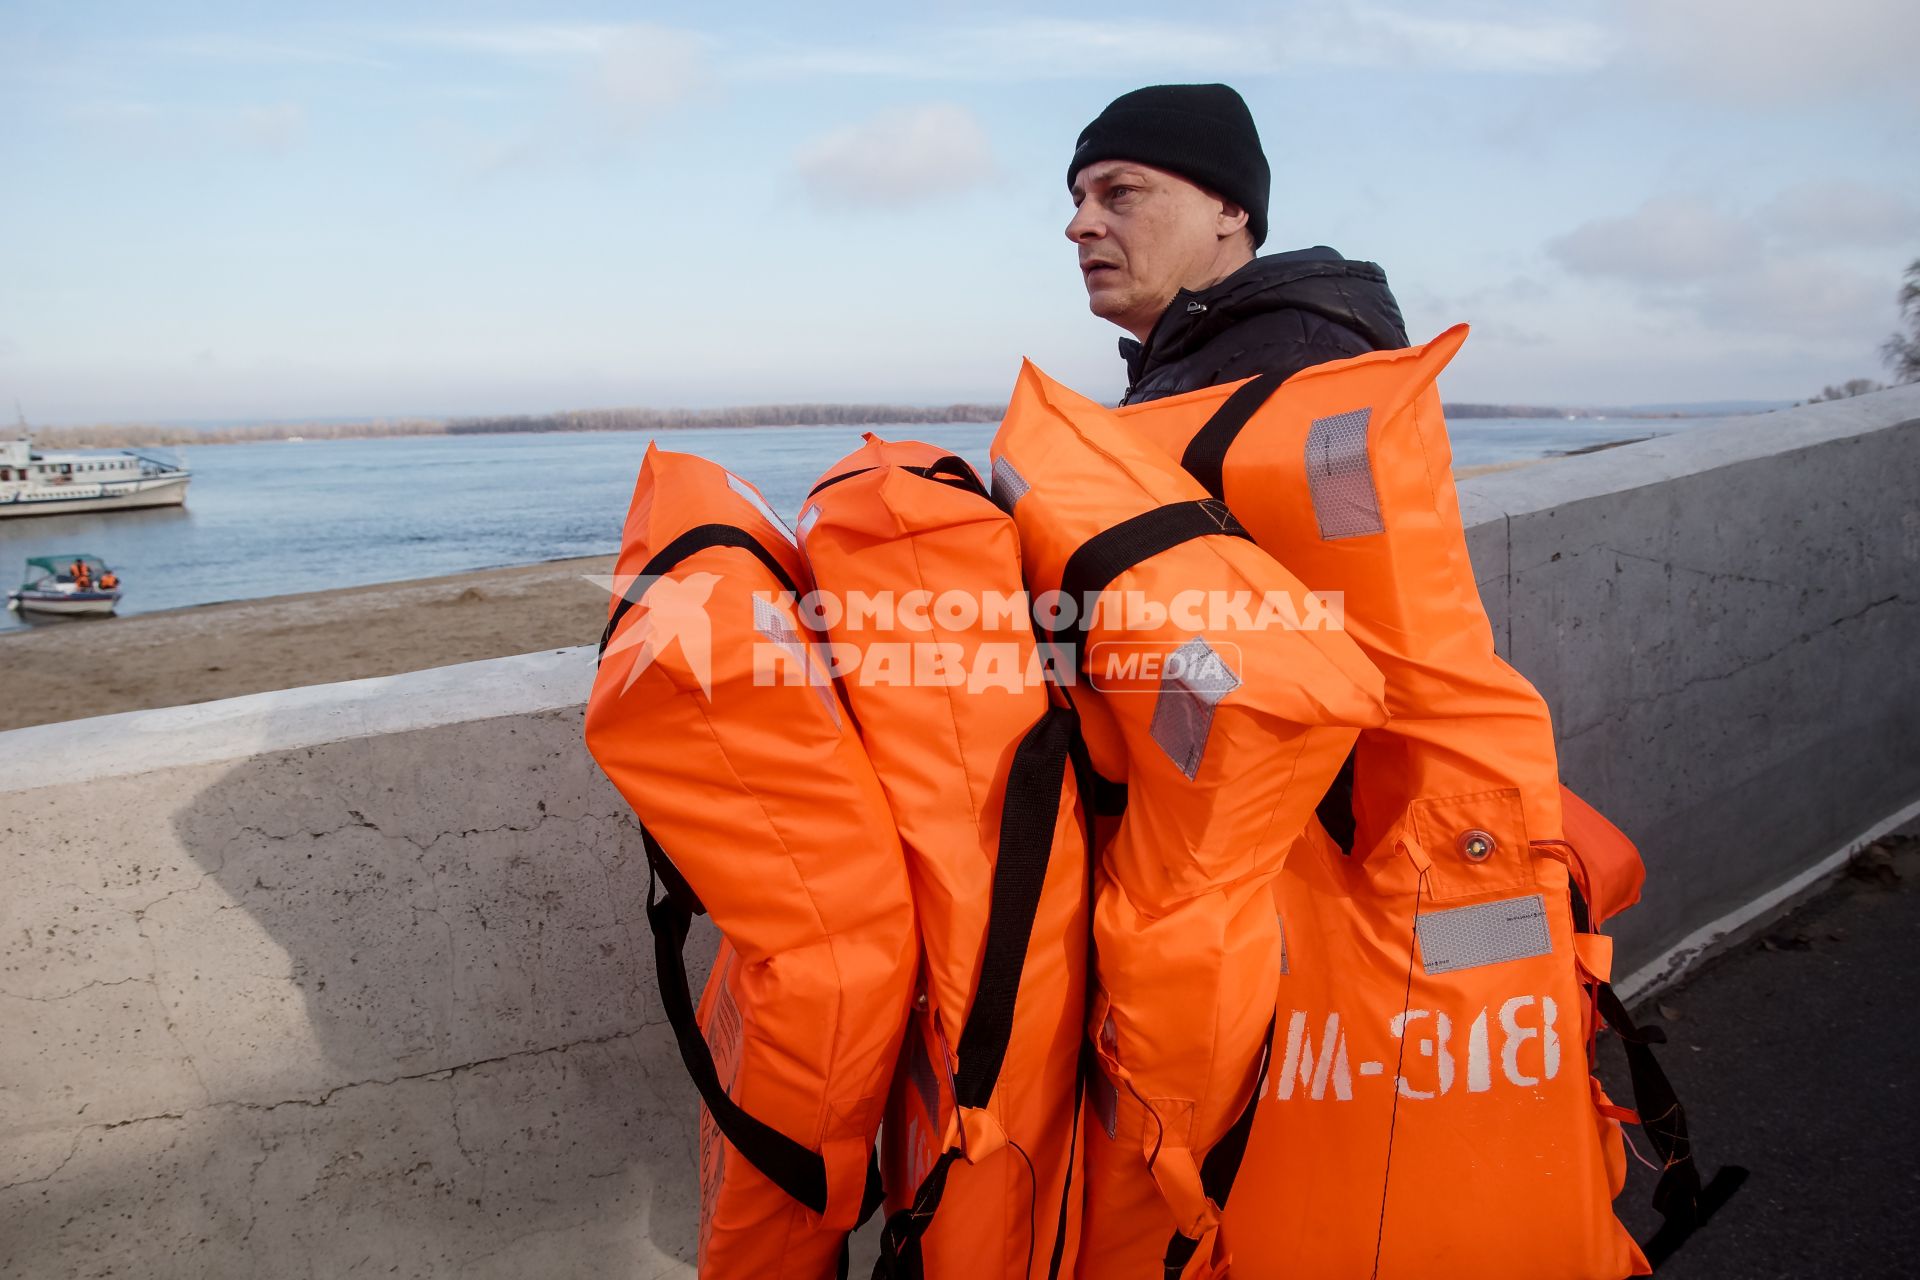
x=1347, y=292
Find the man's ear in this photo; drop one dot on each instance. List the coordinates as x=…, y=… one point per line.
x=1230, y=219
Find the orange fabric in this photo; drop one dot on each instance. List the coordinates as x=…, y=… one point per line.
x=1430, y=1110
x=937, y=679
x=764, y=800
x=1606, y=866
x=1187, y=949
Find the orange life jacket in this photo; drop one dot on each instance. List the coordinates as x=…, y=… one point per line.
x=919, y=573
x=758, y=805
x=1226, y=736
x=1430, y=1108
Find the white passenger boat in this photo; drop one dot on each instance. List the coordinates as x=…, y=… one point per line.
x=36, y=483
x=73, y=584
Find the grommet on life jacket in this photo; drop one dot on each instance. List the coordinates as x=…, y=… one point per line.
x=1226, y=712
x=1433, y=957
x=757, y=805
x=928, y=626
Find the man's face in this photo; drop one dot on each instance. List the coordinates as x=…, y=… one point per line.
x=1144, y=234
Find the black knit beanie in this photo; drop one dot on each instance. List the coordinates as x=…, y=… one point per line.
x=1203, y=132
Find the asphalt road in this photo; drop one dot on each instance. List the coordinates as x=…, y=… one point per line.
x=1798, y=1056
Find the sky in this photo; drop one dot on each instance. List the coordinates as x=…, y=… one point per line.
x=220, y=211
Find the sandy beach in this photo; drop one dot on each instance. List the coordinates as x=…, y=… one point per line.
x=66, y=670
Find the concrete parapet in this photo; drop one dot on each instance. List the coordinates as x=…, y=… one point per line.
x=349, y=980
x=1724, y=623
x=355, y=979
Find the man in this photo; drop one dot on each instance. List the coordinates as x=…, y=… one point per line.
x=1171, y=187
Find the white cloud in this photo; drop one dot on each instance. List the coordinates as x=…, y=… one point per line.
x=1021, y=49
x=896, y=159
x=1843, y=212
x=1335, y=34
x=514, y=40
x=113, y=114
x=1669, y=239
x=1379, y=36
x=267, y=126
x=1688, y=255
x=598, y=80
x=277, y=126
x=1052, y=47
x=250, y=50
x=1797, y=297
x=1772, y=51
x=639, y=71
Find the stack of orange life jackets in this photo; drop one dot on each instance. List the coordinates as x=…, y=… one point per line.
x=1373, y=1026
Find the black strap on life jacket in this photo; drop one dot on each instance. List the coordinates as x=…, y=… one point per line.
x=1090, y=570
x=950, y=468
x=954, y=470
x=1109, y=798
x=1096, y=562
x=698, y=538
x=1683, y=1201
x=831, y=481
x=1335, y=809
x=1028, y=814
x=1205, y=457
x=1221, y=1166
x=797, y=1170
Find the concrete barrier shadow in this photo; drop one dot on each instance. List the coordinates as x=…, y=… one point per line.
x=378, y=1005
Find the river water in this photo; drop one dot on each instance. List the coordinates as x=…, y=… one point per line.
x=274, y=517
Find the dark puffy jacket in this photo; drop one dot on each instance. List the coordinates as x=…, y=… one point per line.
x=1278, y=314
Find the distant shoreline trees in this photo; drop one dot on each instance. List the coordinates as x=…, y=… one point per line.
x=793, y=415
x=771, y=415
x=1848, y=390
x=767, y=415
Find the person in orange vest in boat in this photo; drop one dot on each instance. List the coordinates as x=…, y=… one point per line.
x=109, y=580
x=82, y=575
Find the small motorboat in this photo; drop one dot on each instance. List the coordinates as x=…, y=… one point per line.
x=66, y=584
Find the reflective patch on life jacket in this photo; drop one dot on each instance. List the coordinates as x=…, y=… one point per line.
x=1009, y=486
x=1195, y=681
x=770, y=622
x=1489, y=933
x=752, y=495
x=1340, y=476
